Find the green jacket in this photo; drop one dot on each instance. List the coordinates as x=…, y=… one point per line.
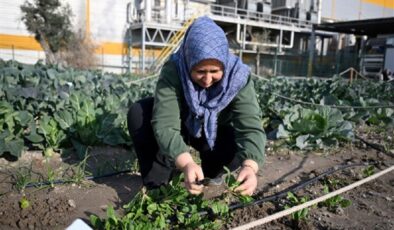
x=243, y=113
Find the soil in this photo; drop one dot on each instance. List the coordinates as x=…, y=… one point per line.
x=57, y=206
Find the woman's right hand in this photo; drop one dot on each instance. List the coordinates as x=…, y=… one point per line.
x=193, y=172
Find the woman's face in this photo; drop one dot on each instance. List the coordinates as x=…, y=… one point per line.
x=207, y=72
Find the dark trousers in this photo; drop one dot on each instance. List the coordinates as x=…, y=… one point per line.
x=157, y=169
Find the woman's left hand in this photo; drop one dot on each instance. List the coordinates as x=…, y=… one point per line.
x=247, y=177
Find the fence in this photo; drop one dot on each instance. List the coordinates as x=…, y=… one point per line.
x=296, y=64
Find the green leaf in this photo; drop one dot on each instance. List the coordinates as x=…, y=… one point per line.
x=152, y=208
x=15, y=147
x=35, y=138
x=304, y=213
x=24, y=118
x=282, y=133
x=24, y=203
x=111, y=215
x=64, y=119
x=51, y=73
x=96, y=222
x=292, y=198
x=345, y=203
x=302, y=141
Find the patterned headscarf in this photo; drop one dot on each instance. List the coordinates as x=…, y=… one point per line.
x=206, y=40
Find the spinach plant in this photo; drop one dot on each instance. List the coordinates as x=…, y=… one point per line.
x=334, y=202
x=232, y=184
x=167, y=207
x=293, y=200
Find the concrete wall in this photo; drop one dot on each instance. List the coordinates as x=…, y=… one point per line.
x=107, y=26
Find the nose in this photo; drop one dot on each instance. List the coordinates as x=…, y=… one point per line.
x=207, y=77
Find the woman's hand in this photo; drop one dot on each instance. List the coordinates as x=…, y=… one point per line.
x=247, y=177
x=193, y=172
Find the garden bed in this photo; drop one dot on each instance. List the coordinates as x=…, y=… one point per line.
x=55, y=207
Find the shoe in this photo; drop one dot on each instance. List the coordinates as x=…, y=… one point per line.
x=216, y=181
x=211, y=181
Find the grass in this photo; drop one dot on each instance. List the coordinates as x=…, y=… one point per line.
x=22, y=178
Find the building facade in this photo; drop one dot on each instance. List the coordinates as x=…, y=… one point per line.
x=130, y=35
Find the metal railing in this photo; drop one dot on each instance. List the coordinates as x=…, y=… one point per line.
x=172, y=45
x=227, y=11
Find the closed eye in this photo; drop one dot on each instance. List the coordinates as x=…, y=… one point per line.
x=207, y=71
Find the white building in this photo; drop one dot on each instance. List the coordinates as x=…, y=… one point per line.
x=129, y=34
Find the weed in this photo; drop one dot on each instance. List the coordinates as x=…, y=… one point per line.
x=80, y=171
x=51, y=174
x=369, y=171
x=135, y=167
x=22, y=178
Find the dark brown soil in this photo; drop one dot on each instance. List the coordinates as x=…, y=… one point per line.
x=57, y=207
x=44, y=211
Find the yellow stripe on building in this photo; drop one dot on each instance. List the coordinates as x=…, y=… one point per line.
x=23, y=42
x=8, y=41
x=384, y=3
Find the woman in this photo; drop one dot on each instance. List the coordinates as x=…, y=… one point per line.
x=204, y=98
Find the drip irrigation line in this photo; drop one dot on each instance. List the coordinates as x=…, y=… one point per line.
x=108, y=175
x=375, y=146
x=300, y=185
x=292, y=188
x=312, y=202
x=45, y=183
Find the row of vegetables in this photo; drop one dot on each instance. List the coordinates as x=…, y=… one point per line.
x=50, y=108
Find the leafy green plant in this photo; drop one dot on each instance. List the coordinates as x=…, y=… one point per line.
x=232, y=184
x=50, y=130
x=49, y=107
x=80, y=173
x=12, y=126
x=310, y=129
x=332, y=183
x=293, y=200
x=335, y=202
x=369, y=171
x=167, y=207
x=24, y=203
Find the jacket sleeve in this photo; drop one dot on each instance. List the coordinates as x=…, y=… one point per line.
x=166, y=120
x=246, y=118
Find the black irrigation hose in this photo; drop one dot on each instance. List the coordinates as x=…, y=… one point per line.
x=292, y=188
x=232, y=207
x=39, y=184
x=312, y=180
x=301, y=185
x=374, y=146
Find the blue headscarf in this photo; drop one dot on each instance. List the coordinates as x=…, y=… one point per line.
x=206, y=40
